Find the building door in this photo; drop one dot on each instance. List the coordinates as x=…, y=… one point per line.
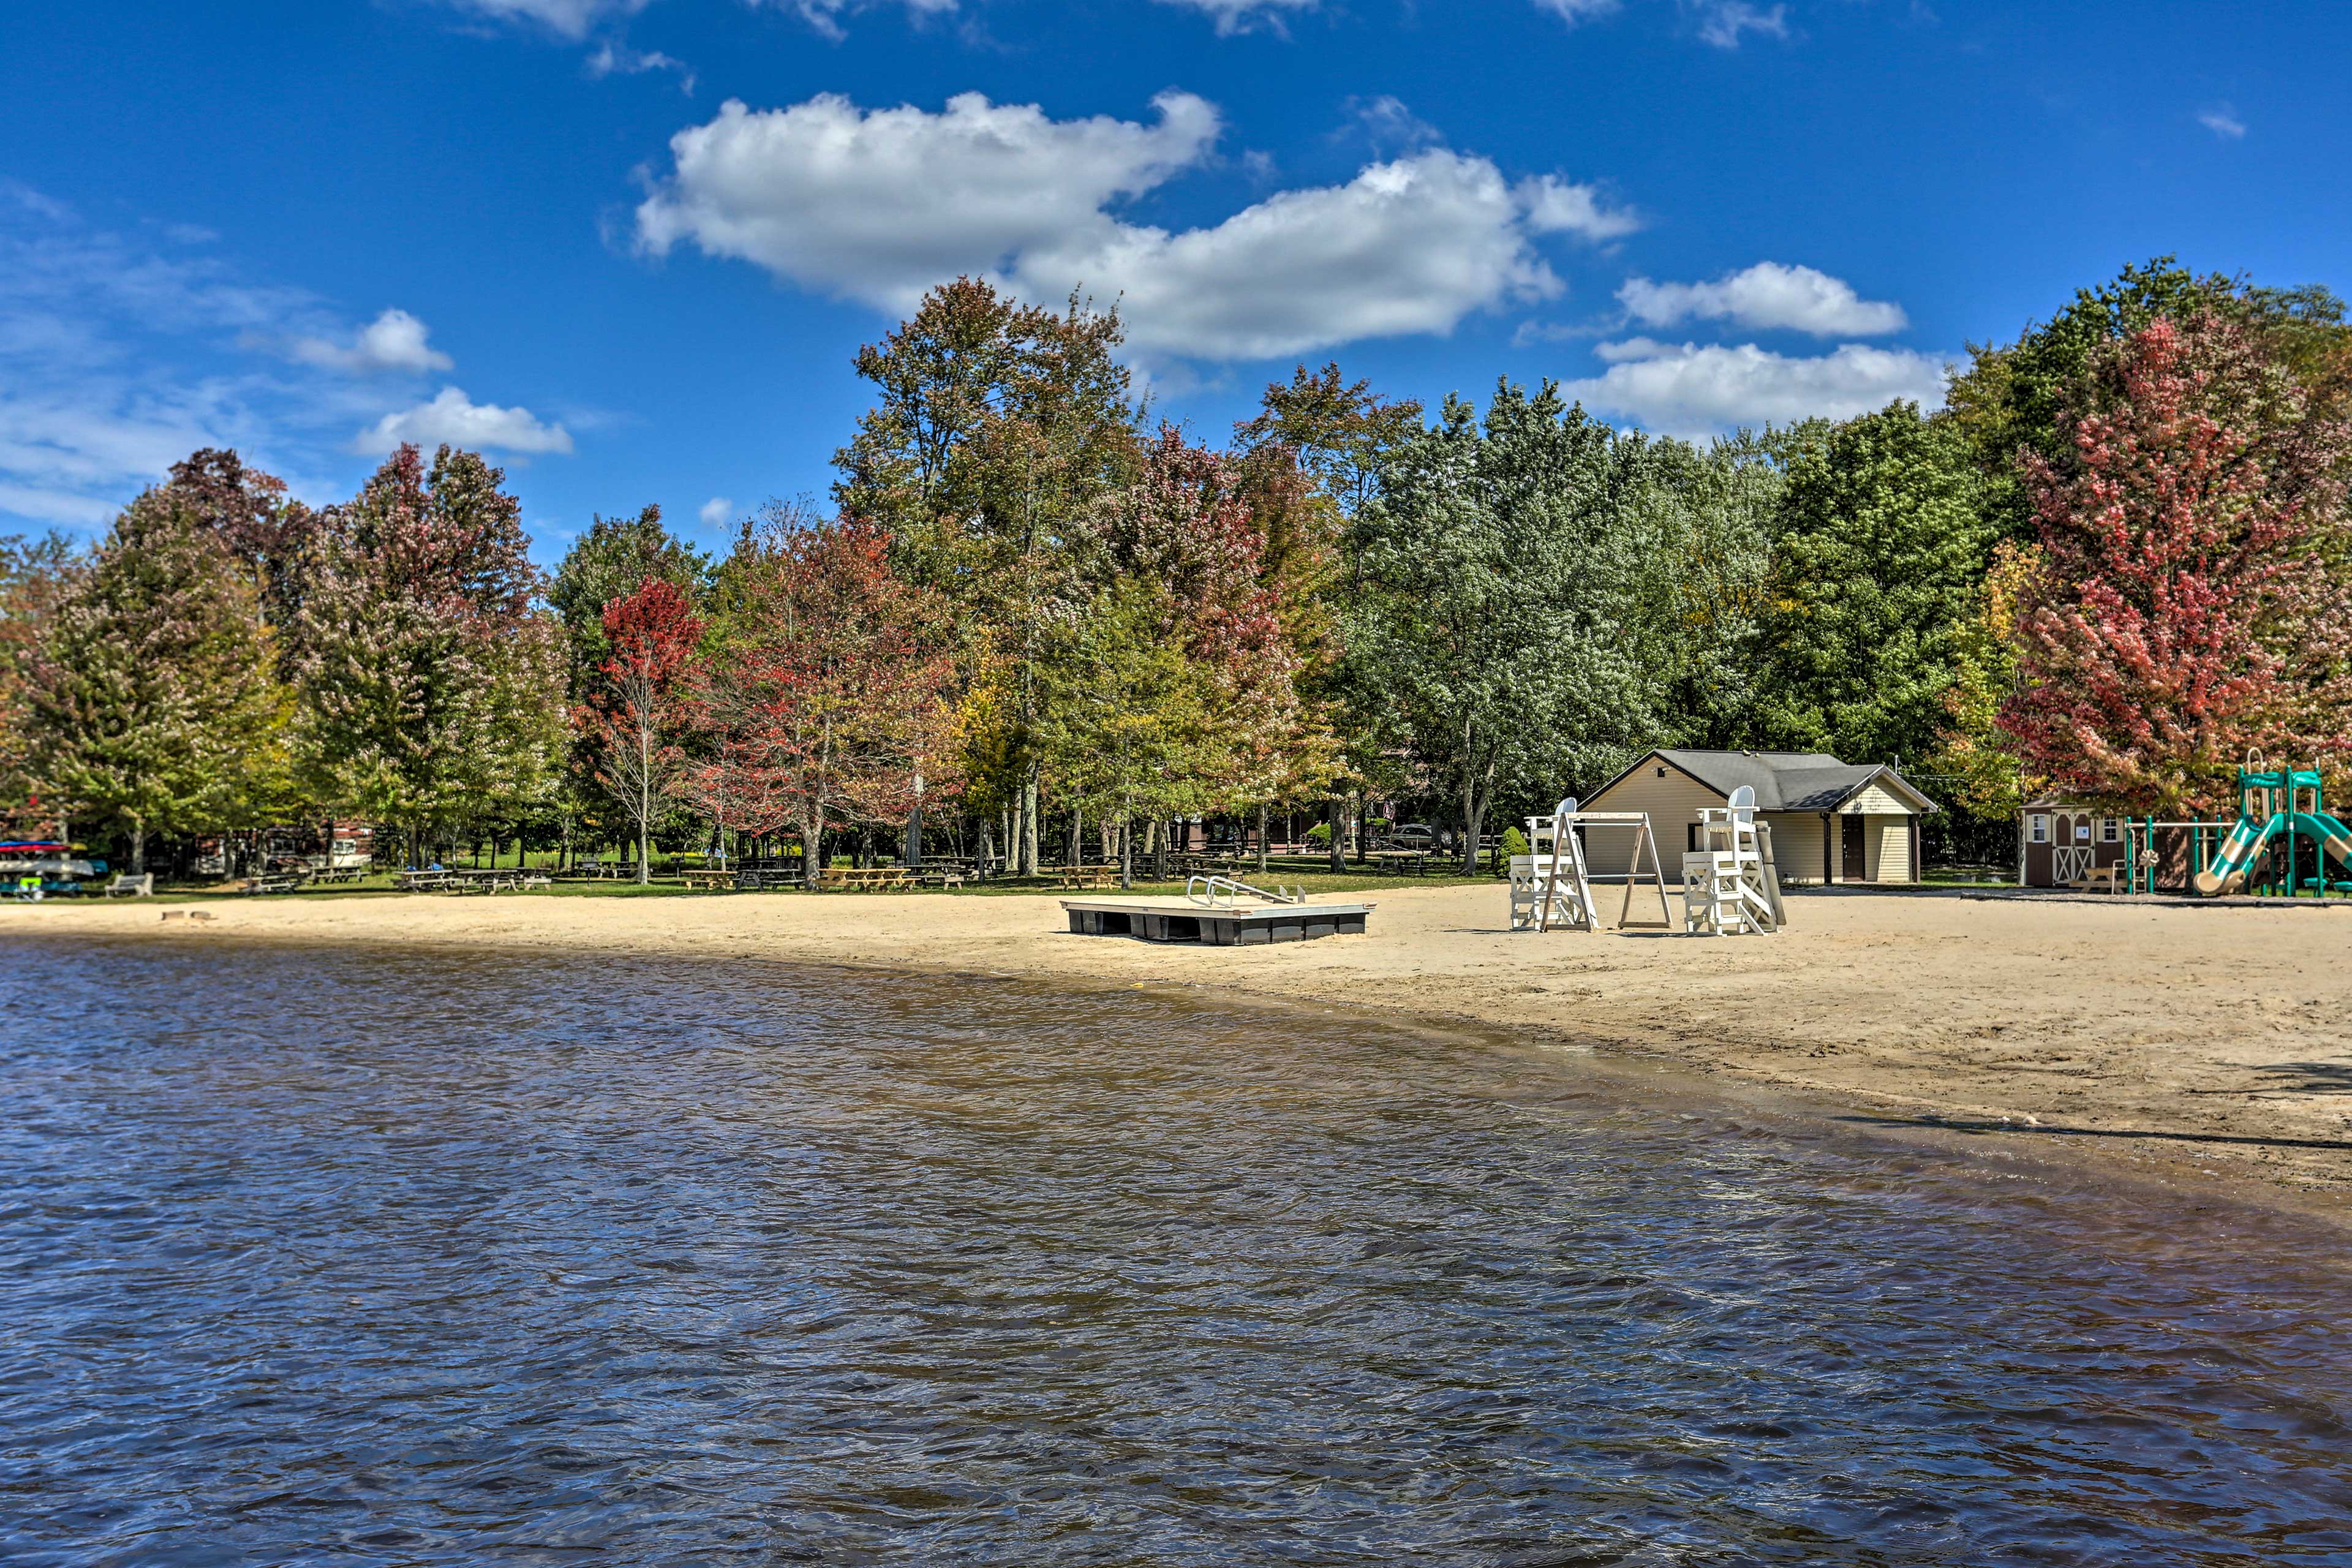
x=2071, y=849
x=1857, y=863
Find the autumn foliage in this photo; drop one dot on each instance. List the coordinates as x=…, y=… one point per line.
x=2186, y=611
x=829, y=706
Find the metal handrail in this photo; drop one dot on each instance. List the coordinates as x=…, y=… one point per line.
x=1211, y=886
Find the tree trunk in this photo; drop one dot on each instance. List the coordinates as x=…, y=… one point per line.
x=138, y=848
x=1361, y=840
x=1126, y=852
x=1077, y=836
x=812, y=847
x=1029, y=825
x=1339, y=844
x=1476, y=793
x=1262, y=851
x=913, y=852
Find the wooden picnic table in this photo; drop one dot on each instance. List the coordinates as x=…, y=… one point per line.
x=707, y=877
x=1414, y=860
x=867, y=878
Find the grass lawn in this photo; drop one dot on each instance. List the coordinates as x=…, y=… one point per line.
x=380, y=886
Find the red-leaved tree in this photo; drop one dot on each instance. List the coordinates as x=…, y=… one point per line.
x=2188, y=609
x=831, y=707
x=641, y=703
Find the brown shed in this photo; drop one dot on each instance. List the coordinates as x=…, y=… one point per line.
x=1831, y=821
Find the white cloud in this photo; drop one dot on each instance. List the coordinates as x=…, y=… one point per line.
x=826, y=15
x=1575, y=11
x=456, y=418
x=1689, y=390
x=1554, y=206
x=2222, y=120
x=880, y=205
x=568, y=18
x=1721, y=22
x=1766, y=297
x=1407, y=247
x=395, y=341
x=716, y=511
x=1385, y=123
x=613, y=60
x=1241, y=16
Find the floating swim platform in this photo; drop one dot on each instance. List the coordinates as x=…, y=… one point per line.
x=1238, y=924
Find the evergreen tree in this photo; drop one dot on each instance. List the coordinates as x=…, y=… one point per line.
x=151, y=702
x=1878, y=546
x=430, y=681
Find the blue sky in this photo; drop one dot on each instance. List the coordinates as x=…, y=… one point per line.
x=629, y=247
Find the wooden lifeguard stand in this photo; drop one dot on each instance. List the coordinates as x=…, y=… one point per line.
x=1730, y=885
x=1551, y=886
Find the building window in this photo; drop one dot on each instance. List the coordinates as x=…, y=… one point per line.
x=2111, y=830
x=1661, y=773
x=2037, y=828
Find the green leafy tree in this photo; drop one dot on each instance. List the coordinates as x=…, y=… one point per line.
x=150, y=698
x=1133, y=731
x=1495, y=573
x=1977, y=764
x=999, y=432
x=1879, y=545
x=431, y=682
x=1334, y=435
x=1703, y=520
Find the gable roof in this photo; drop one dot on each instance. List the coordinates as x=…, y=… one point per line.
x=1783, y=781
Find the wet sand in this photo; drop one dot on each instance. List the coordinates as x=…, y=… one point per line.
x=2198, y=1045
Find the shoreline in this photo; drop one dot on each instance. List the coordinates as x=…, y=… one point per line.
x=2206, y=1051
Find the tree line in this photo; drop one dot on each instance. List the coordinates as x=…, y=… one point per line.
x=1036, y=622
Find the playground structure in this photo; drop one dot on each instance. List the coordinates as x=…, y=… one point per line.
x=2277, y=847
x=1730, y=885
x=1551, y=886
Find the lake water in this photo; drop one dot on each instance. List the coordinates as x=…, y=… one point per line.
x=327, y=1258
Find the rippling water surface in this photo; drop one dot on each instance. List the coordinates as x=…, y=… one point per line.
x=332, y=1258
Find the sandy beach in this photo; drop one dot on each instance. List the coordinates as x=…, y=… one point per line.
x=2201, y=1045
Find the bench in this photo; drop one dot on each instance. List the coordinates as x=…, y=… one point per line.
x=142, y=886
x=423, y=882
x=2111, y=877
x=274, y=882
x=709, y=881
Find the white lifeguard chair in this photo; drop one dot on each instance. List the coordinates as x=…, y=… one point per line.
x=1551, y=886
x=1730, y=885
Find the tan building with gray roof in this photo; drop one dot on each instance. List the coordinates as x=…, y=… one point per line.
x=1831, y=821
